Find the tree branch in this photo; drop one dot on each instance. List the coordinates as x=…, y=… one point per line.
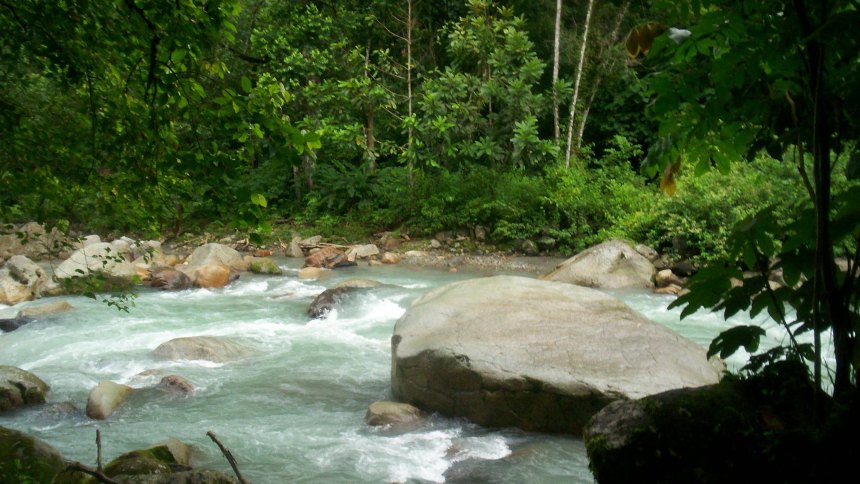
x=229, y=456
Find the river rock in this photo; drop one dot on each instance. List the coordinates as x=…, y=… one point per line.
x=312, y=273
x=360, y=283
x=20, y=387
x=667, y=278
x=165, y=458
x=326, y=258
x=754, y=430
x=264, y=265
x=105, y=398
x=330, y=299
x=611, y=265
x=21, y=280
x=25, y=459
x=295, y=249
x=362, y=251
x=176, y=385
x=45, y=309
x=213, y=276
x=213, y=265
x=101, y=257
x=210, y=348
x=391, y=258
x=8, y=325
x=539, y=355
x=393, y=413
x=170, y=279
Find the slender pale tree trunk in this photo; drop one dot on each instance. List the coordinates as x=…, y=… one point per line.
x=576, y=83
x=410, y=164
x=370, y=126
x=595, y=85
x=556, y=60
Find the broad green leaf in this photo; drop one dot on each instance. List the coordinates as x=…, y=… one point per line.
x=246, y=85
x=730, y=340
x=258, y=199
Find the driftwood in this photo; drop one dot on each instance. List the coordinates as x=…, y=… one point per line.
x=77, y=466
x=229, y=456
x=320, y=245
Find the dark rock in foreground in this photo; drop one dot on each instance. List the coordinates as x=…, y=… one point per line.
x=758, y=430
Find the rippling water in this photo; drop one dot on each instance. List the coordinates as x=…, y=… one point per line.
x=293, y=411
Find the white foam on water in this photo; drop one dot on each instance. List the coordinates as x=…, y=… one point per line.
x=416, y=455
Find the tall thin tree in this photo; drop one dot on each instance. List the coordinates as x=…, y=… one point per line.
x=556, y=60
x=576, y=83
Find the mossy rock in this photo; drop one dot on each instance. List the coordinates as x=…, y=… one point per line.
x=24, y=458
x=20, y=387
x=160, y=459
x=264, y=265
x=758, y=429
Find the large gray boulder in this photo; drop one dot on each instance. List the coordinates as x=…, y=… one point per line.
x=209, y=348
x=20, y=387
x=110, y=259
x=610, y=265
x=539, y=355
x=21, y=280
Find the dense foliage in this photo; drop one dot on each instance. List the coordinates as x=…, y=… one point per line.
x=419, y=116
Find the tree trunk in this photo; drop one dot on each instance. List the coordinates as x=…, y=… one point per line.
x=613, y=38
x=556, y=60
x=576, y=83
x=410, y=165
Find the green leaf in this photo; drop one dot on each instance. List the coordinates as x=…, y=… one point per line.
x=246, y=85
x=258, y=199
x=730, y=340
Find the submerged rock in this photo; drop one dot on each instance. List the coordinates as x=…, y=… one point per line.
x=11, y=324
x=105, y=398
x=210, y=348
x=45, y=309
x=611, y=265
x=175, y=384
x=20, y=387
x=542, y=356
x=333, y=298
x=393, y=413
x=264, y=265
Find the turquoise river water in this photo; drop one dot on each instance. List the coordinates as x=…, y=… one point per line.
x=294, y=411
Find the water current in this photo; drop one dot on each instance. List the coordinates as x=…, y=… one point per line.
x=294, y=411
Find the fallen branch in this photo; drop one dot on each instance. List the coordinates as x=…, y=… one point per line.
x=229, y=456
x=77, y=466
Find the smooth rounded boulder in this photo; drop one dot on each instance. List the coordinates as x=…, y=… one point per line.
x=105, y=398
x=209, y=348
x=386, y=413
x=542, y=356
x=20, y=387
x=610, y=265
x=213, y=265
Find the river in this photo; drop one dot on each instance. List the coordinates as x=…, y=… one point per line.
x=293, y=411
